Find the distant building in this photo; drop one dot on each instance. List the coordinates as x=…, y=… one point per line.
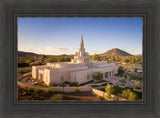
x=80, y=69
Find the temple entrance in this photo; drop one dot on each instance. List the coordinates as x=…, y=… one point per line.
x=41, y=76
x=106, y=75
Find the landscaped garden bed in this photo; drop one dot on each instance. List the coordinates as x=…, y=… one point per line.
x=118, y=91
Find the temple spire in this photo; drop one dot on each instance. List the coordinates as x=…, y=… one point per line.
x=82, y=43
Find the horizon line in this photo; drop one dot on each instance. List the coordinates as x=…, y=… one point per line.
x=74, y=53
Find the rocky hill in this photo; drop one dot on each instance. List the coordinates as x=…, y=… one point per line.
x=21, y=53
x=115, y=52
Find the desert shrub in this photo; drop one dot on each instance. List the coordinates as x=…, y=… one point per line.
x=19, y=74
x=138, y=95
x=40, y=81
x=41, y=98
x=125, y=93
x=36, y=97
x=117, y=90
x=38, y=91
x=30, y=89
x=52, y=84
x=30, y=98
x=67, y=82
x=28, y=79
x=97, y=76
x=74, y=84
x=35, y=79
x=44, y=93
x=77, y=90
x=57, y=97
x=24, y=93
x=50, y=92
x=61, y=84
x=132, y=96
x=137, y=84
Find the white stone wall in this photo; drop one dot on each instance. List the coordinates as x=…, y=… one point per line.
x=59, y=76
x=71, y=89
x=80, y=76
x=104, y=94
x=98, y=92
x=47, y=76
x=35, y=70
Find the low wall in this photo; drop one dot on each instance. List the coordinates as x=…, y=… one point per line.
x=103, y=95
x=58, y=89
x=71, y=89
x=98, y=92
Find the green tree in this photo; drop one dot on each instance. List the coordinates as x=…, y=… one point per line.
x=125, y=93
x=97, y=76
x=124, y=60
x=96, y=57
x=57, y=97
x=137, y=84
x=120, y=71
x=77, y=89
x=109, y=90
x=52, y=84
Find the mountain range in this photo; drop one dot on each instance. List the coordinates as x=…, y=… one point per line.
x=112, y=52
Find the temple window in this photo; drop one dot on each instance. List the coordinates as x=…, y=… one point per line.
x=88, y=77
x=75, y=80
x=62, y=78
x=41, y=76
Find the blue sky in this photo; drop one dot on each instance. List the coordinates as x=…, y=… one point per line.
x=55, y=36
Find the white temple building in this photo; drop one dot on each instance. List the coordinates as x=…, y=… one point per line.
x=80, y=69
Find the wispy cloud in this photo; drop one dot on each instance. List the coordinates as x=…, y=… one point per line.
x=53, y=50
x=133, y=51
x=50, y=50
